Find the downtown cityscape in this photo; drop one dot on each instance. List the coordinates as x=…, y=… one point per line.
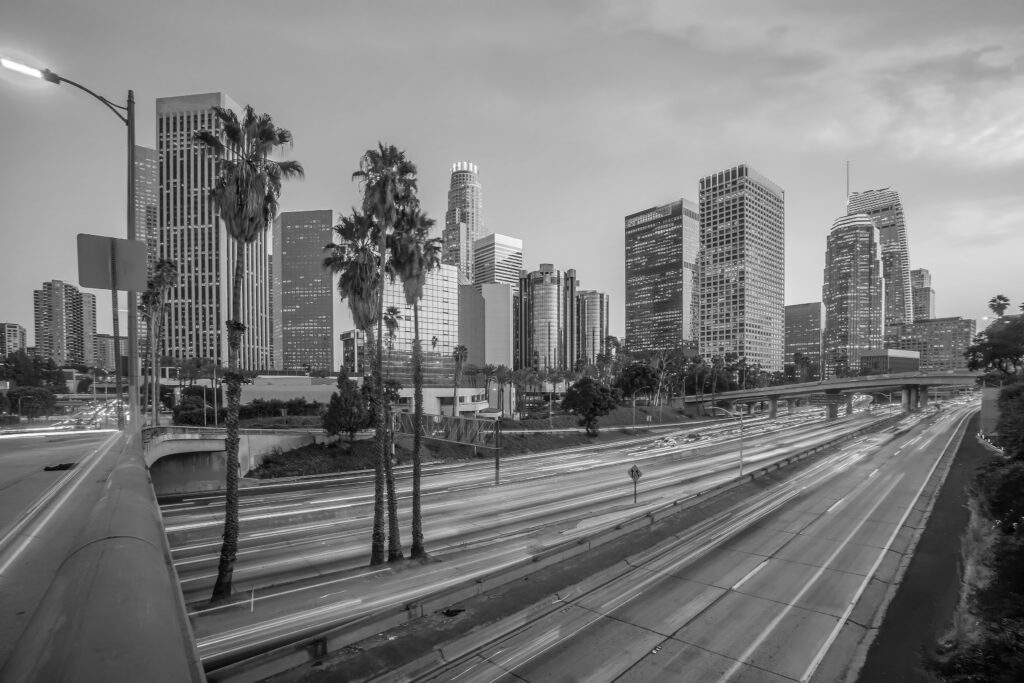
x=477, y=353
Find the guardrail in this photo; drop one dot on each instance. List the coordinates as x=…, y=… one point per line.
x=114, y=611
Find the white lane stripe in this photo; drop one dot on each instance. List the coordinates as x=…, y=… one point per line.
x=834, y=505
x=749, y=574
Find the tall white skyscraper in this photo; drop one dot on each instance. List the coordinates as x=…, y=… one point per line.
x=12, y=339
x=885, y=208
x=742, y=267
x=463, y=222
x=194, y=238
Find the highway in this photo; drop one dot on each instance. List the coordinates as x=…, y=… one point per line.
x=304, y=551
x=312, y=528
x=758, y=593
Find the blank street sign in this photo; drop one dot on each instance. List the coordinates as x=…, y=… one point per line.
x=94, y=263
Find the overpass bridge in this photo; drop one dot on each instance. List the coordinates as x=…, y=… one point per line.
x=913, y=387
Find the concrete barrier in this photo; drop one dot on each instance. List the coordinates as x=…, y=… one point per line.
x=113, y=611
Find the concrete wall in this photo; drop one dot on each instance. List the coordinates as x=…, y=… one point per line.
x=195, y=460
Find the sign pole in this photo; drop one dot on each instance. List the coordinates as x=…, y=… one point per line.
x=117, y=336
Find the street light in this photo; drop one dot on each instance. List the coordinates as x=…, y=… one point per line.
x=127, y=118
x=737, y=416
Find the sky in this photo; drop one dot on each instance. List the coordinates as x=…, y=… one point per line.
x=577, y=112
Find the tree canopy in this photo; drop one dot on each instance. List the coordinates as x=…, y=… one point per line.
x=588, y=399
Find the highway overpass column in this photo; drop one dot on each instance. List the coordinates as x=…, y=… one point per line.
x=922, y=394
x=773, y=407
x=833, y=410
x=849, y=404
x=909, y=396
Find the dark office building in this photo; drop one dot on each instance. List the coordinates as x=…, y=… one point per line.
x=661, y=278
x=804, y=323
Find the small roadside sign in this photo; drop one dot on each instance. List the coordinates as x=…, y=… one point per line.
x=634, y=474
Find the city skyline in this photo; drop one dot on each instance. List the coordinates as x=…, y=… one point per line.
x=929, y=105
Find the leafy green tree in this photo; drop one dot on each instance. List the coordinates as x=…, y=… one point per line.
x=637, y=378
x=588, y=399
x=5, y=405
x=32, y=401
x=389, y=188
x=1000, y=348
x=20, y=369
x=346, y=412
x=998, y=304
x=245, y=195
x=153, y=305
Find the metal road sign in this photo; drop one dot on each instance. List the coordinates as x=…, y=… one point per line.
x=104, y=262
x=634, y=472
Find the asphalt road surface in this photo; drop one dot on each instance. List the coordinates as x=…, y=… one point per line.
x=756, y=594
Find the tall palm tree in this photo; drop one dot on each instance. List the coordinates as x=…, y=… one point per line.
x=999, y=303
x=488, y=370
x=153, y=306
x=413, y=255
x=353, y=257
x=389, y=187
x=459, y=355
x=245, y=196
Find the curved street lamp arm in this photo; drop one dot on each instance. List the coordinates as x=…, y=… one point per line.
x=116, y=108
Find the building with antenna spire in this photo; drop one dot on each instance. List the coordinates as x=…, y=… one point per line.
x=463, y=223
x=885, y=208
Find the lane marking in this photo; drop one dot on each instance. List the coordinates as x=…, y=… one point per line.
x=749, y=574
x=834, y=505
x=878, y=561
x=742, y=659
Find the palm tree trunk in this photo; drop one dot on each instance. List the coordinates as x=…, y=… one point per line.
x=154, y=373
x=418, y=550
x=229, y=549
x=383, y=454
x=378, y=536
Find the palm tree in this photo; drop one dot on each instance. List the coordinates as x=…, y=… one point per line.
x=153, y=306
x=459, y=355
x=389, y=187
x=999, y=303
x=413, y=256
x=245, y=196
x=488, y=370
x=354, y=258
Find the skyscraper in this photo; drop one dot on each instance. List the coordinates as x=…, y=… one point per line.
x=194, y=238
x=463, y=223
x=853, y=294
x=662, y=244
x=742, y=267
x=804, y=324
x=923, y=294
x=147, y=203
x=497, y=258
x=65, y=323
x=593, y=325
x=885, y=208
x=12, y=339
x=548, y=318
x=303, y=305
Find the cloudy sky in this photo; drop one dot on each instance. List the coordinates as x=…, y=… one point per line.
x=577, y=113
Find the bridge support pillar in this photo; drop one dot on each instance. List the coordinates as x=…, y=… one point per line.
x=773, y=407
x=922, y=394
x=909, y=396
x=849, y=404
x=833, y=410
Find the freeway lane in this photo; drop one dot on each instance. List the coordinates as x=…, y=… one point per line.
x=761, y=600
x=328, y=533
x=288, y=612
x=36, y=518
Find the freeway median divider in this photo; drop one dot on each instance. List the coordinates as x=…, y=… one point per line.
x=315, y=647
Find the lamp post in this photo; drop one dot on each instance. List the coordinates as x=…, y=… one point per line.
x=737, y=416
x=126, y=114
x=634, y=412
